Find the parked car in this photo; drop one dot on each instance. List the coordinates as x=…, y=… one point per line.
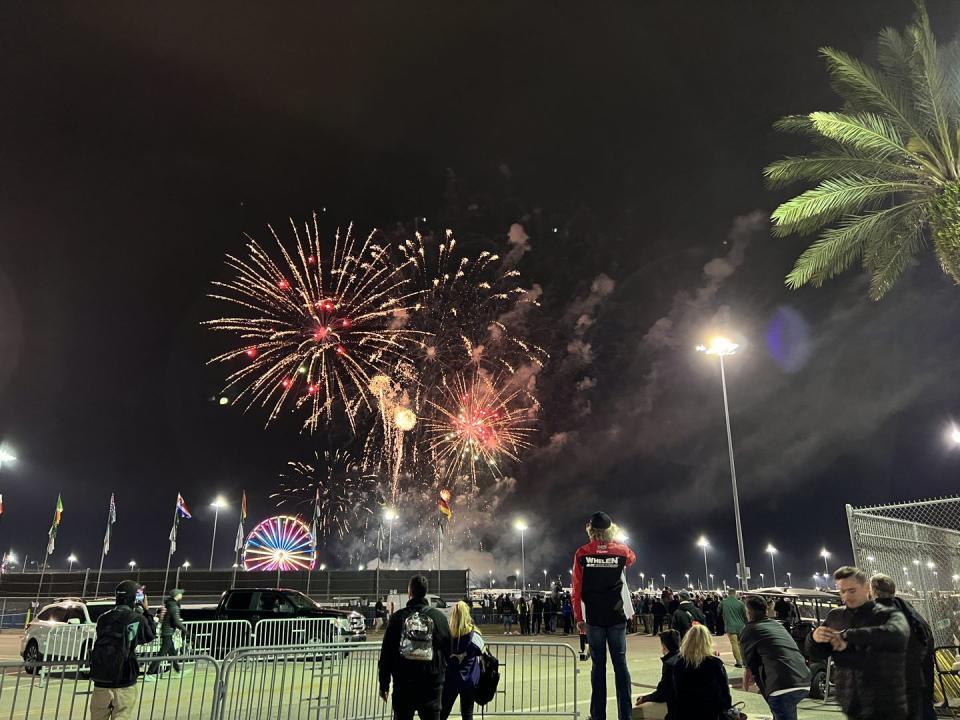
x=257, y=604
x=66, y=629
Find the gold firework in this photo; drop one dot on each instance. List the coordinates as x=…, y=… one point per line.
x=315, y=329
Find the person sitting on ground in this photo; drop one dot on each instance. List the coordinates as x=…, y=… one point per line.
x=686, y=615
x=868, y=645
x=413, y=655
x=113, y=659
x=463, y=669
x=774, y=661
x=699, y=679
x=656, y=705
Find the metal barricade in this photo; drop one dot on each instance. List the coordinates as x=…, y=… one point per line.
x=286, y=632
x=536, y=679
x=330, y=682
x=217, y=638
x=68, y=691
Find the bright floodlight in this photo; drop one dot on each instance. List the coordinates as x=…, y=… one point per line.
x=622, y=537
x=771, y=548
x=718, y=346
x=930, y=565
x=824, y=553
x=322, y=566
x=11, y=558
x=6, y=456
x=390, y=514
x=520, y=525
x=132, y=564
x=72, y=558
x=702, y=542
x=954, y=435
x=218, y=502
x=186, y=563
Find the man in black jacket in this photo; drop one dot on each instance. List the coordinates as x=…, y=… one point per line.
x=868, y=644
x=686, y=615
x=920, y=649
x=113, y=660
x=171, y=623
x=773, y=660
x=657, y=704
x=417, y=669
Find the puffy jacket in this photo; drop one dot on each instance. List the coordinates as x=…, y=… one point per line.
x=685, y=616
x=870, y=672
x=413, y=676
x=463, y=669
x=665, y=691
x=599, y=588
x=171, y=619
x=773, y=657
x=919, y=657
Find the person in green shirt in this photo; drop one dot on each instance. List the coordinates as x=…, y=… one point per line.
x=734, y=618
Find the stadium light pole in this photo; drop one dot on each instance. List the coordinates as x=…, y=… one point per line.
x=721, y=347
x=773, y=568
x=6, y=457
x=664, y=576
x=702, y=542
x=522, y=527
x=71, y=559
x=789, y=580
x=826, y=568
x=216, y=505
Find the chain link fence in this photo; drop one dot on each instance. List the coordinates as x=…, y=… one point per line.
x=918, y=545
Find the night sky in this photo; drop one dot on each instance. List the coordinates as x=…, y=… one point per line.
x=137, y=144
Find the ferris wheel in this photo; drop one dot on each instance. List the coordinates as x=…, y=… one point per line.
x=281, y=543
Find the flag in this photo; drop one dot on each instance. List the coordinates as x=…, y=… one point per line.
x=52, y=534
x=182, y=508
x=238, y=545
x=1, y=506
x=316, y=512
x=111, y=519
x=444, y=507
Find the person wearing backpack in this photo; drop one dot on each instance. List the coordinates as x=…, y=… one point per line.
x=463, y=669
x=170, y=624
x=113, y=659
x=414, y=652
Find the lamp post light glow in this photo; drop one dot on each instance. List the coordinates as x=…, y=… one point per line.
x=773, y=568
x=816, y=580
x=722, y=347
x=216, y=505
x=522, y=527
x=789, y=580
x=826, y=568
x=389, y=515
x=71, y=559
x=132, y=564
x=6, y=457
x=954, y=435
x=687, y=576
x=703, y=543
x=664, y=576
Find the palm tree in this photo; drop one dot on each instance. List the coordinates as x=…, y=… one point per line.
x=888, y=164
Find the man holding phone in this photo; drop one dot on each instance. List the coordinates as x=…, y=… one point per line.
x=113, y=659
x=868, y=644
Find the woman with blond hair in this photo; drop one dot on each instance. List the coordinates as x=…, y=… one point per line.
x=699, y=679
x=463, y=667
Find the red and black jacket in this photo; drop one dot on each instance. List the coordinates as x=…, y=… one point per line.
x=600, y=593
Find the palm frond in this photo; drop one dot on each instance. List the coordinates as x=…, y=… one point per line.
x=867, y=132
x=867, y=89
x=895, y=55
x=838, y=247
x=834, y=198
x=822, y=167
x=885, y=258
x=930, y=89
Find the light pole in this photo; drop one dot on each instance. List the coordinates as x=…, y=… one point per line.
x=687, y=576
x=773, y=568
x=761, y=579
x=544, y=579
x=216, y=505
x=711, y=581
x=389, y=515
x=522, y=527
x=789, y=580
x=490, y=573
x=642, y=581
x=516, y=579
x=702, y=542
x=826, y=569
x=664, y=576
x=721, y=347
x=816, y=580
x=71, y=559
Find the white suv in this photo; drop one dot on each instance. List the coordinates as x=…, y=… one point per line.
x=66, y=630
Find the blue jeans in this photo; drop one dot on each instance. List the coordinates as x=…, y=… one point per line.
x=784, y=707
x=599, y=639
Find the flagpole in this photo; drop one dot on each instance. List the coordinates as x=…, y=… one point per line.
x=166, y=574
x=379, y=555
x=439, y=546
x=103, y=554
x=43, y=572
x=238, y=543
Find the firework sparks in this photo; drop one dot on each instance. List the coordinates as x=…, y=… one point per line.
x=317, y=328
x=478, y=424
x=344, y=491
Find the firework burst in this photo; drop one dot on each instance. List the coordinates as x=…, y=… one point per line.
x=478, y=424
x=345, y=493
x=316, y=328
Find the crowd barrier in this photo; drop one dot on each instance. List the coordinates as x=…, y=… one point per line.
x=334, y=681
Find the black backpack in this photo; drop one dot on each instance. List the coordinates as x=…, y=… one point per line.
x=112, y=650
x=489, y=678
